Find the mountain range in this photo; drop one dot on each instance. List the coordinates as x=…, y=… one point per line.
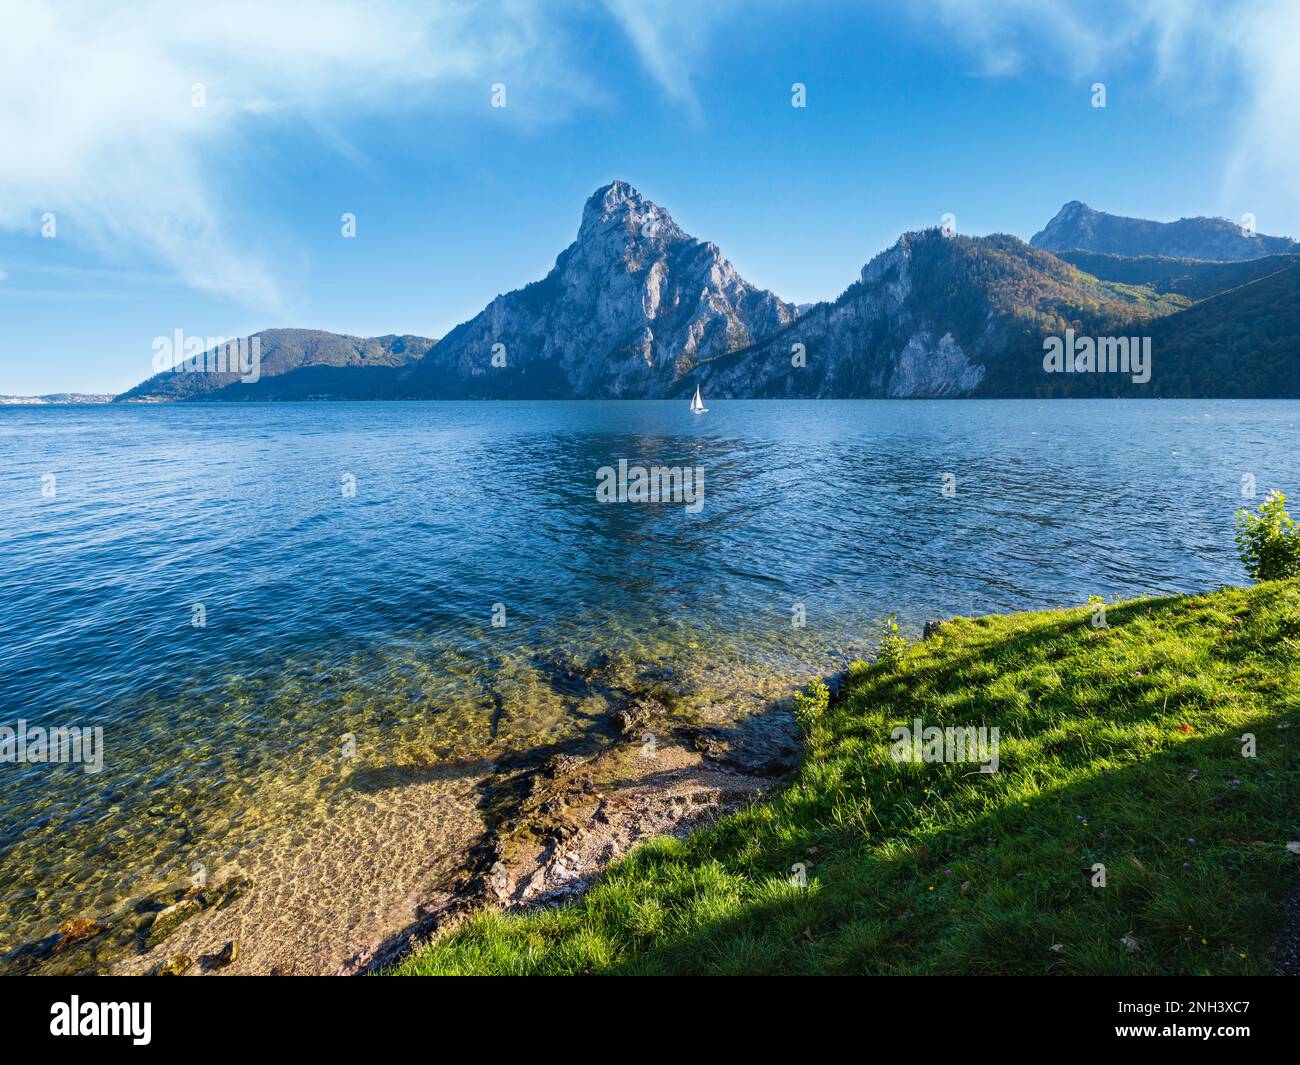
x=1078, y=227
x=637, y=308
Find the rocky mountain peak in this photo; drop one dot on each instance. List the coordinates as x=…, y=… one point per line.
x=892, y=261
x=1072, y=210
x=618, y=209
x=609, y=198
x=630, y=305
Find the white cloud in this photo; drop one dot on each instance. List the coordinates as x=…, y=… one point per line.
x=98, y=127
x=1230, y=49
x=1266, y=160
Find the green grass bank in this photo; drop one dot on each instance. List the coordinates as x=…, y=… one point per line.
x=1120, y=746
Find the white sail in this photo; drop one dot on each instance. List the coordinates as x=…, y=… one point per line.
x=697, y=404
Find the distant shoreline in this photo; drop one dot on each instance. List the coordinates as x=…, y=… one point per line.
x=60, y=399
x=111, y=401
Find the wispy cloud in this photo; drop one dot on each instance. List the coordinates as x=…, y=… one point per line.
x=670, y=39
x=99, y=128
x=1239, y=50
x=1078, y=37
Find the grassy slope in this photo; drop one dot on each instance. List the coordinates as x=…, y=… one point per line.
x=1118, y=746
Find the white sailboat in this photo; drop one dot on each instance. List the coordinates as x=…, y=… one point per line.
x=697, y=404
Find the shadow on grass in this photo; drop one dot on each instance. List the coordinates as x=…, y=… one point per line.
x=1192, y=888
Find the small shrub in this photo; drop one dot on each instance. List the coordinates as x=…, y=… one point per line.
x=1269, y=542
x=893, y=647
x=810, y=706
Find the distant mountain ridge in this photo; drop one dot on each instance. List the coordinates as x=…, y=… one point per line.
x=637, y=308
x=296, y=364
x=1078, y=226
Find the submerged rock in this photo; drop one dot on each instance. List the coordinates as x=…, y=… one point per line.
x=176, y=965
x=194, y=901
x=171, y=918
x=222, y=958
x=631, y=720
x=223, y=894
x=711, y=745
x=77, y=931
x=560, y=765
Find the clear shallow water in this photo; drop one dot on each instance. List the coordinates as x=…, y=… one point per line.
x=371, y=615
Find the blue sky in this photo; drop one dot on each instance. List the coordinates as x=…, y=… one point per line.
x=225, y=219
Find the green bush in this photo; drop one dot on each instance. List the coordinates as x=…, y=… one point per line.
x=893, y=647
x=1269, y=542
x=810, y=706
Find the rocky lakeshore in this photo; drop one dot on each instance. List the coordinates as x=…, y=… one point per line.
x=573, y=815
x=874, y=859
x=338, y=899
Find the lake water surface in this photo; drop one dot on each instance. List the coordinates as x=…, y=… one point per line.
x=235, y=593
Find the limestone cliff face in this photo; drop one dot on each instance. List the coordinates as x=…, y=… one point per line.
x=630, y=306
x=930, y=367
x=885, y=336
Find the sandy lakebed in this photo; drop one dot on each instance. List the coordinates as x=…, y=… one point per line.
x=356, y=883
